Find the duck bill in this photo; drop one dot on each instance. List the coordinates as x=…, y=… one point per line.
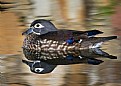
x=27, y=32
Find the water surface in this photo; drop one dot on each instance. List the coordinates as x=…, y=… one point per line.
x=13, y=72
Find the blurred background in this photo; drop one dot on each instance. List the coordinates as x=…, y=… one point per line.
x=16, y=16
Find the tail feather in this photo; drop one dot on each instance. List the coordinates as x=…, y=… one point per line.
x=99, y=43
x=109, y=38
x=94, y=42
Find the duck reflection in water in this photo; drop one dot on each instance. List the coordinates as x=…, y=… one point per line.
x=42, y=62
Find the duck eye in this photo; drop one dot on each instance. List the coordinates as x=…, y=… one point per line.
x=38, y=25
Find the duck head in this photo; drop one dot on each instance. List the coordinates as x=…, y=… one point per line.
x=39, y=67
x=40, y=27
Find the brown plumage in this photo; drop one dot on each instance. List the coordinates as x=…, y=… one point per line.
x=55, y=42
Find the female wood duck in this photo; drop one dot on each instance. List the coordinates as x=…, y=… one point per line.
x=43, y=35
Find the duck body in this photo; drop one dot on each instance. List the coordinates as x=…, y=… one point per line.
x=60, y=41
x=43, y=35
x=57, y=40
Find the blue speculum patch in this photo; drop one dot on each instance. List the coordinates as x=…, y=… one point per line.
x=69, y=57
x=70, y=41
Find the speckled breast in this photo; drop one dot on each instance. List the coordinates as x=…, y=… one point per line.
x=35, y=43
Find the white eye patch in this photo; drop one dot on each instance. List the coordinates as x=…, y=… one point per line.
x=38, y=25
x=39, y=70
